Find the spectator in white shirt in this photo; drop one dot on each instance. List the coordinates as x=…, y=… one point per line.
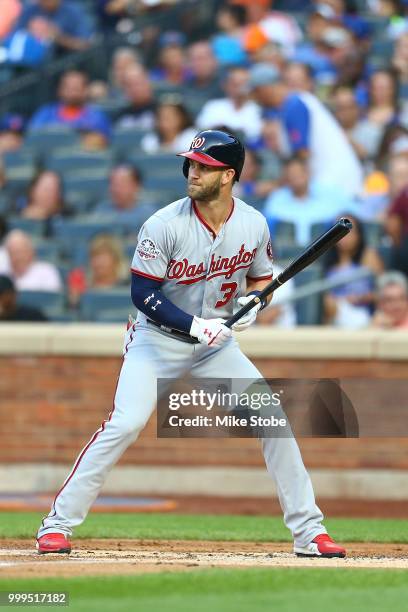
x=312, y=132
x=27, y=273
x=303, y=202
x=236, y=111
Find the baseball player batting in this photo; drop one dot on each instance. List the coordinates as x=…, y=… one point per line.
x=195, y=261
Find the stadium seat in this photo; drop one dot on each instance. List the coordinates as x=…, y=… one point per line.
x=50, y=303
x=282, y=233
x=129, y=249
x=19, y=179
x=22, y=158
x=4, y=204
x=79, y=202
x=43, y=140
x=48, y=250
x=164, y=89
x=112, y=107
x=257, y=203
x=319, y=228
x=385, y=252
x=172, y=184
x=95, y=303
x=194, y=102
x=6, y=74
x=308, y=310
x=286, y=252
x=162, y=164
x=125, y=141
x=71, y=161
x=71, y=232
x=373, y=232
x=115, y=315
x=93, y=184
x=33, y=227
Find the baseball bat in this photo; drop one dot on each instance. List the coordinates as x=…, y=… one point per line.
x=309, y=255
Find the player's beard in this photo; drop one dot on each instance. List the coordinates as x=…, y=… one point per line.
x=205, y=193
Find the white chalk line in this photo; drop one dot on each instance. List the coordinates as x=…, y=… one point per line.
x=29, y=556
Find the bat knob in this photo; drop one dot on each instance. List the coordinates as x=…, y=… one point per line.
x=346, y=223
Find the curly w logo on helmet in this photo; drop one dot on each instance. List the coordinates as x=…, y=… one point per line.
x=197, y=142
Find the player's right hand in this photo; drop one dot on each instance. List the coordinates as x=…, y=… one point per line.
x=211, y=332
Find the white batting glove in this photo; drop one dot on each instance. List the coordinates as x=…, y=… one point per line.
x=211, y=332
x=249, y=317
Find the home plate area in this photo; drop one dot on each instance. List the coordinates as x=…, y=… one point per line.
x=18, y=558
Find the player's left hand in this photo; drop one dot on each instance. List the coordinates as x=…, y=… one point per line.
x=249, y=317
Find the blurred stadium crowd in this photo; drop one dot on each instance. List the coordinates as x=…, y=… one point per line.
x=96, y=97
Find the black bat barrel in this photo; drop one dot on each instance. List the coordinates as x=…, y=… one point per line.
x=322, y=244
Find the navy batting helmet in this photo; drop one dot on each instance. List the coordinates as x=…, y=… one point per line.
x=215, y=148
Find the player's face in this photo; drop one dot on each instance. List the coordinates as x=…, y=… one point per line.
x=204, y=182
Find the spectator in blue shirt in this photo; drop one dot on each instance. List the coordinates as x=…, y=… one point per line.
x=303, y=202
x=68, y=27
x=72, y=110
x=228, y=43
x=29, y=47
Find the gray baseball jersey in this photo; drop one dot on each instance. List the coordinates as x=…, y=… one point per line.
x=202, y=273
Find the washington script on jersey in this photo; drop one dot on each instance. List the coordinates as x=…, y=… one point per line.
x=219, y=266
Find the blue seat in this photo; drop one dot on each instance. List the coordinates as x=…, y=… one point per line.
x=94, y=304
x=283, y=233
x=51, y=303
x=48, y=250
x=175, y=185
x=373, y=232
x=6, y=74
x=158, y=165
x=94, y=186
x=126, y=141
x=74, y=234
x=22, y=158
x=4, y=204
x=286, y=252
x=385, y=252
x=63, y=162
x=19, y=179
x=320, y=228
x=79, y=202
x=33, y=227
x=45, y=139
x=256, y=202
x=129, y=249
x=308, y=310
x=115, y=315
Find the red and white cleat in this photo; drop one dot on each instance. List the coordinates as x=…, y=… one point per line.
x=53, y=543
x=321, y=546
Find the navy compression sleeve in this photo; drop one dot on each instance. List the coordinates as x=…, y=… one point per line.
x=148, y=298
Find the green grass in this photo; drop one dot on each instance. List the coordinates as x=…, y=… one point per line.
x=228, y=590
x=205, y=527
